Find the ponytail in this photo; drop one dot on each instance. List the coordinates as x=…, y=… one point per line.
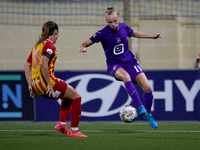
x=47, y=30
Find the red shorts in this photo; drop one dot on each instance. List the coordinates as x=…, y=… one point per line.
x=59, y=89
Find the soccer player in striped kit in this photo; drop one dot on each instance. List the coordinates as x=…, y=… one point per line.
x=40, y=76
x=121, y=62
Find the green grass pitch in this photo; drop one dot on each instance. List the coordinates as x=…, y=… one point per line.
x=101, y=136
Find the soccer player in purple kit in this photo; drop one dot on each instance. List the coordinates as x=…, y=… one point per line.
x=121, y=62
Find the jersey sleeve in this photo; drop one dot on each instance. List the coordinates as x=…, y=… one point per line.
x=48, y=49
x=130, y=32
x=97, y=37
x=29, y=60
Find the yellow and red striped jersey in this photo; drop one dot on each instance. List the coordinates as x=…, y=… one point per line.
x=45, y=49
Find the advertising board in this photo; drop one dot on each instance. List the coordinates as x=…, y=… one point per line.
x=176, y=96
x=15, y=102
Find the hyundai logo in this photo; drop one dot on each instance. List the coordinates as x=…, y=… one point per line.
x=90, y=91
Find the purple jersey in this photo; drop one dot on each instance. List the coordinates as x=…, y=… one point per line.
x=115, y=44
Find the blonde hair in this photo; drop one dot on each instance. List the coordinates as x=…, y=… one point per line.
x=110, y=10
x=47, y=30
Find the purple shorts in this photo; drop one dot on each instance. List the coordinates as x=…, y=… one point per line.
x=133, y=69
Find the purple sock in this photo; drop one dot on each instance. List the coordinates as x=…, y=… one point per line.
x=133, y=93
x=148, y=100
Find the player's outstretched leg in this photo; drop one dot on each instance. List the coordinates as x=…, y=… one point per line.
x=151, y=120
x=142, y=110
x=132, y=91
x=61, y=128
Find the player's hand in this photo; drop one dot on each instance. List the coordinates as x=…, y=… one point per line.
x=50, y=92
x=32, y=93
x=82, y=49
x=158, y=35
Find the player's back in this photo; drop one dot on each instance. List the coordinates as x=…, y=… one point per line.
x=36, y=59
x=45, y=49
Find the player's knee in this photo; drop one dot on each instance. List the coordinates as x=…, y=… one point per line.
x=75, y=96
x=126, y=78
x=147, y=89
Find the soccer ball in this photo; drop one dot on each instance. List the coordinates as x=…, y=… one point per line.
x=128, y=114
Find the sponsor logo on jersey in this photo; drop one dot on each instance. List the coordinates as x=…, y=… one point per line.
x=50, y=51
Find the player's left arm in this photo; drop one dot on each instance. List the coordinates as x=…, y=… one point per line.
x=139, y=34
x=45, y=73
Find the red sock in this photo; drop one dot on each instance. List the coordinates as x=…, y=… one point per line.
x=64, y=109
x=75, y=111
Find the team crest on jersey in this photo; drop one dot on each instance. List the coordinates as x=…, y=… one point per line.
x=94, y=36
x=49, y=51
x=118, y=40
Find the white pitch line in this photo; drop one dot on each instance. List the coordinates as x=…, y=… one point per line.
x=100, y=131
x=135, y=131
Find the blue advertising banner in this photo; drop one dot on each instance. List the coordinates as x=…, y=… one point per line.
x=176, y=96
x=15, y=102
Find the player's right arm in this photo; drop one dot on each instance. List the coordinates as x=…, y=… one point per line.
x=98, y=36
x=83, y=47
x=28, y=74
